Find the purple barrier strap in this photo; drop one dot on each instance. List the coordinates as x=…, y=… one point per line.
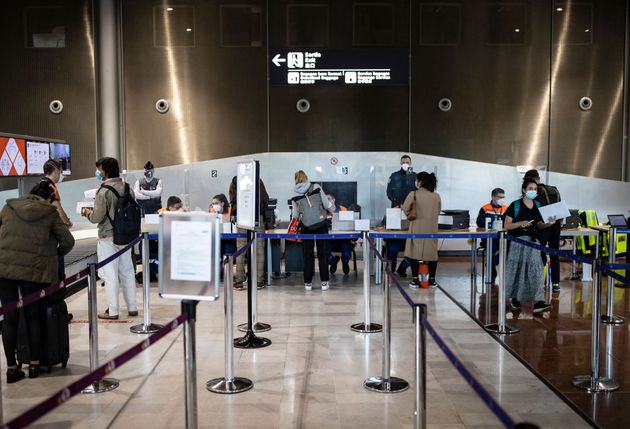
x=71, y=390
x=550, y=251
x=376, y=251
x=120, y=252
x=243, y=249
x=481, y=391
x=36, y=296
x=391, y=275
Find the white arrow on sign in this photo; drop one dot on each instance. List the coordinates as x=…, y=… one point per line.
x=277, y=60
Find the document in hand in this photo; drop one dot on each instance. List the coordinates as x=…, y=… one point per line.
x=558, y=210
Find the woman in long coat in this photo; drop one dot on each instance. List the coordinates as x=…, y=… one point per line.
x=428, y=205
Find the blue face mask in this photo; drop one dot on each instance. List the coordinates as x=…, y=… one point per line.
x=531, y=194
x=98, y=176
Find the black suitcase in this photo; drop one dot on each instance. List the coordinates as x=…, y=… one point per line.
x=55, y=341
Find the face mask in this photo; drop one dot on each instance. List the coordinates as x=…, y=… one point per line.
x=148, y=175
x=501, y=201
x=217, y=208
x=406, y=166
x=531, y=194
x=61, y=176
x=98, y=175
x=301, y=188
x=418, y=186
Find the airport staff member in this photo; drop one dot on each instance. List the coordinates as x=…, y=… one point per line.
x=148, y=190
x=120, y=270
x=400, y=184
x=495, y=209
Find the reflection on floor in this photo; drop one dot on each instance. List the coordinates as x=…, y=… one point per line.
x=558, y=344
x=310, y=377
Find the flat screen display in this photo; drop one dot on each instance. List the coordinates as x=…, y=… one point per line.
x=61, y=152
x=617, y=221
x=37, y=153
x=12, y=157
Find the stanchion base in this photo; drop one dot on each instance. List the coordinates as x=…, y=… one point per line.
x=496, y=328
x=382, y=385
x=146, y=329
x=100, y=386
x=251, y=341
x=370, y=328
x=590, y=384
x=236, y=385
x=613, y=320
x=258, y=327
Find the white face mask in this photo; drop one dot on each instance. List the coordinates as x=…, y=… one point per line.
x=61, y=176
x=217, y=208
x=406, y=166
x=501, y=201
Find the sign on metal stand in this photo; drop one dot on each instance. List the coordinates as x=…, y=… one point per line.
x=189, y=258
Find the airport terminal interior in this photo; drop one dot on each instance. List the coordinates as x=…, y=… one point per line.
x=339, y=214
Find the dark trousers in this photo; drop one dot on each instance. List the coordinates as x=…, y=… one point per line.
x=343, y=246
x=8, y=293
x=322, y=254
x=415, y=268
x=551, y=237
x=393, y=247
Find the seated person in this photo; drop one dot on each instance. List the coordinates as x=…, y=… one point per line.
x=173, y=204
x=495, y=209
x=220, y=205
x=392, y=247
x=342, y=246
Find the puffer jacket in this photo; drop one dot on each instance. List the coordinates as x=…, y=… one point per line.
x=32, y=238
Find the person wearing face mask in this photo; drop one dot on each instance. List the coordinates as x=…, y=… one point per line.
x=427, y=204
x=148, y=190
x=399, y=185
x=220, y=205
x=310, y=207
x=495, y=210
x=173, y=204
x=524, y=268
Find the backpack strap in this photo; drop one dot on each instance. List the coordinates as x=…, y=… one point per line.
x=111, y=188
x=517, y=208
x=537, y=203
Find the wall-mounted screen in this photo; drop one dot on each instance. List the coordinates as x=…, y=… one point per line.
x=12, y=157
x=37, y=153
x=61, y=152
x=339, y=67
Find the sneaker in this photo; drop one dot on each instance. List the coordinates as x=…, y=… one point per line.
x=132, y=313
x=333, y=265
x=308, y=286
x=516, y=305
x=107, y=316
x=325, y=286
x=14, y=375
x=415, y=284
x=432, y=283
x=541, y=307
x=239, y=285
x=261, y=284
x=345, y=266
x=401, y=273
x=555, y=287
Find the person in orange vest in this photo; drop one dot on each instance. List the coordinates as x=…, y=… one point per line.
x=495, y=209
x=173, y=204
x=342, y=246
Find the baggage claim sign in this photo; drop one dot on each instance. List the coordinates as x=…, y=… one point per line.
x=335, y=67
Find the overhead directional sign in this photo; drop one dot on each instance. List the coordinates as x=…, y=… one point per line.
x=348, y=67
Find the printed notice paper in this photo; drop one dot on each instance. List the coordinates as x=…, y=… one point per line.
x=558, y=210
x=191, y=251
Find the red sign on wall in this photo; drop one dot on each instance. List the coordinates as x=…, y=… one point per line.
x=12, y=157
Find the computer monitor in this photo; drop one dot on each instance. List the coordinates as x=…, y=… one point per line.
x=61, y=152
x=12, y=156
x=37, y=153
x=617, y=221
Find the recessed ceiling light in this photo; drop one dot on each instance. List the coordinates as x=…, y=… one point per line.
x=517, y=30
x=587, y=30
x=170, y=9
x=189, y=29
x=559, y=9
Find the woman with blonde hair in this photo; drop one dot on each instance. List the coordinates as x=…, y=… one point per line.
x=310, y=207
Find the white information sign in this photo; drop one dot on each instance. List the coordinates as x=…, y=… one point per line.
x=191, y=251
x=393, y=218
x=558, y=210
x=246, y=189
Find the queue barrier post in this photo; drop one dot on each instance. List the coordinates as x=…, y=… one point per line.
x=386, y=383
x=593, y=382
x=420, y=414
x=146, y=327
x=250, y=340
x=106, y=384
x=610, y=318
x=229, y=383
x=252, y=286
x=367, y=326
x=501, y=327
x=378, y=265
x=190, y=363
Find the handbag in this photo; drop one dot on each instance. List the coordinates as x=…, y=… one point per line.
x=413, y=215
x=294, y=228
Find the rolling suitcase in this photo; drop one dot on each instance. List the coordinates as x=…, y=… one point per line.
x=55, y=340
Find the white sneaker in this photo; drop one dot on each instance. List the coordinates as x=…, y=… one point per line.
x=325, y=286
x=308, y=286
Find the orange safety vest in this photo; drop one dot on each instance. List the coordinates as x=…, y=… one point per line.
x=489, y=208
x=229, y=212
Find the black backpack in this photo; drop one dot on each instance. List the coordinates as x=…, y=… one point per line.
x=127, y=217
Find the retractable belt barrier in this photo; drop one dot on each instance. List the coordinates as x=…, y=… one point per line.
x=548, y=250
x=75, y=388
x=330, y=236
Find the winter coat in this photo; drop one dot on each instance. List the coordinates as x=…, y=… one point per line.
x=400, y=183
x=428, y=207
x=32, y=238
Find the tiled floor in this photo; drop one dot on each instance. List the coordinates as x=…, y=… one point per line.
x=310, y=377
